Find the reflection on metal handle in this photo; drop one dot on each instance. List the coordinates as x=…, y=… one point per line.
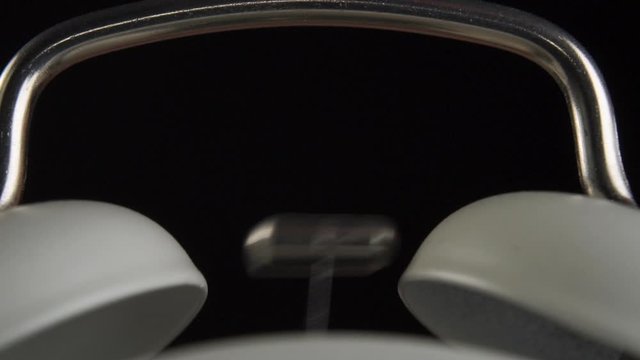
x=600, y=167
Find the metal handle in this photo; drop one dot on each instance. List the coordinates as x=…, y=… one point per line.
x=598, y=156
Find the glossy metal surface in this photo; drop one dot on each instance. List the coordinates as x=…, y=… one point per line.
x=290, y=245
x=598, y=156
x=319, y=247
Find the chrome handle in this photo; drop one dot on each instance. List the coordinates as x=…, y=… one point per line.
x=600, y=167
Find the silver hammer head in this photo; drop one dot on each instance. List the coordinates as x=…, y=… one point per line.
x=288, y=245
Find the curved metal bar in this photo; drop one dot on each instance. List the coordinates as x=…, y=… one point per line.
x=600, y=166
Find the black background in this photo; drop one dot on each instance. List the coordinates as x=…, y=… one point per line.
x=208, y=135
